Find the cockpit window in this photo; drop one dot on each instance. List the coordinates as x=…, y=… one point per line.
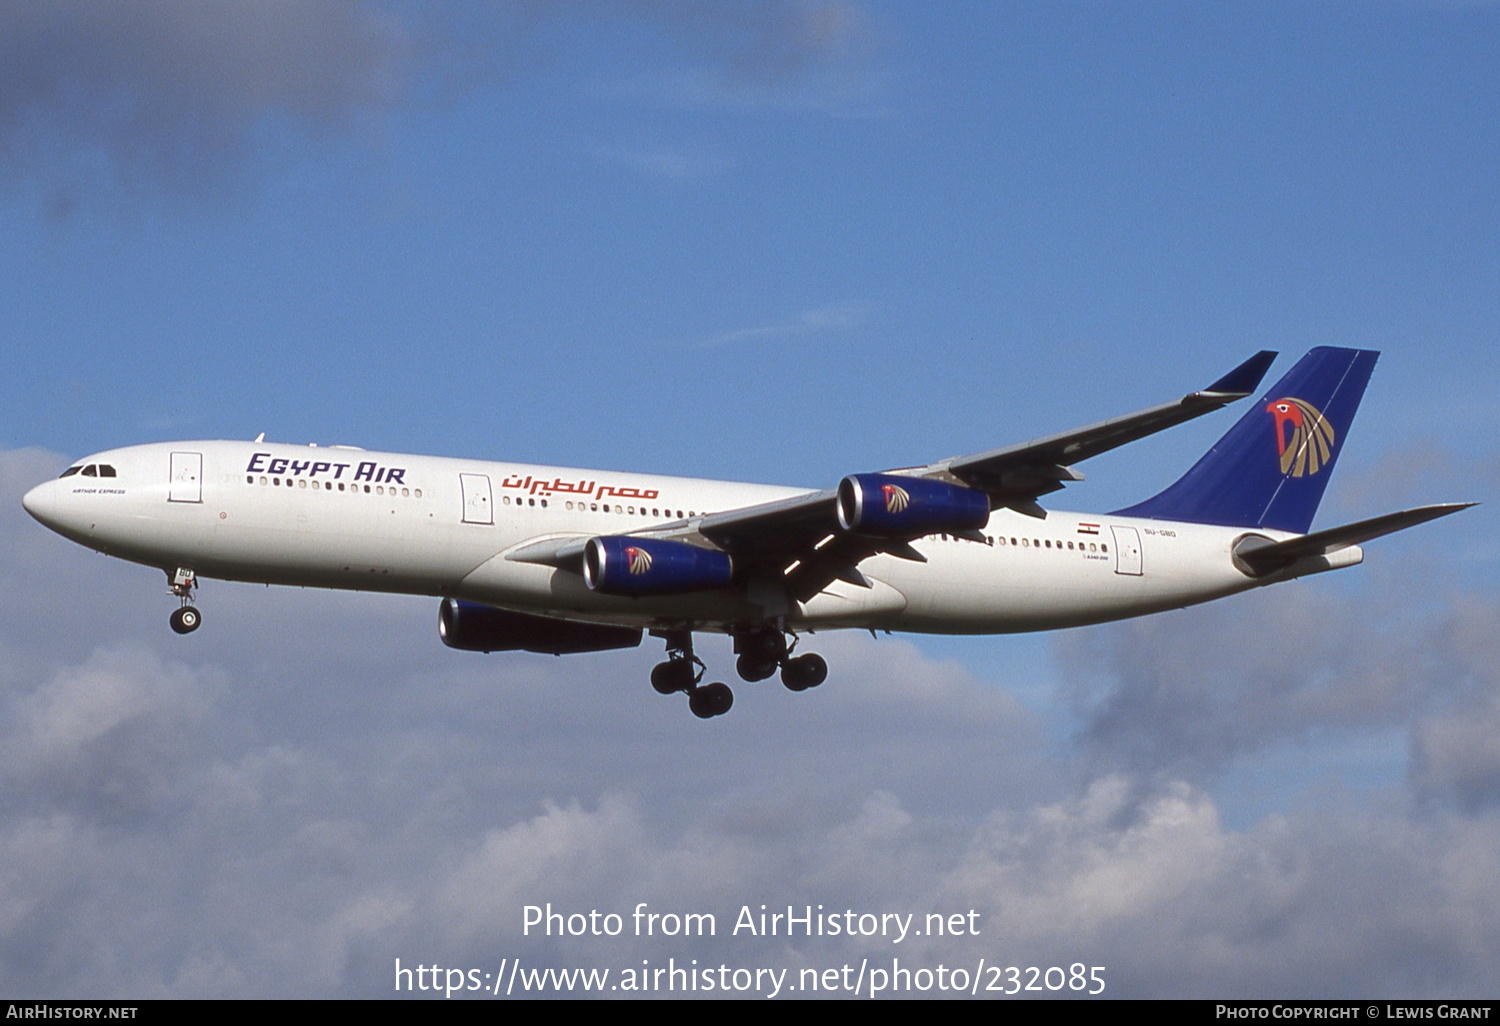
x=70, y=472
x=105, y=470
x=91, y=470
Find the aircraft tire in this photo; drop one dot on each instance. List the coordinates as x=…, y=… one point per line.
x=803, y=672
x=710, y=700
x=186, y=620
x=672, y=676
x=752, y=668
x=816, y=669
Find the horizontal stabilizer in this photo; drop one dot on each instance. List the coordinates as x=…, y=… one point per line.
x=1263, y=557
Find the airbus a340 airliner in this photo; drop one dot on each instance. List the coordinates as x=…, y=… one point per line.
x=546, y=559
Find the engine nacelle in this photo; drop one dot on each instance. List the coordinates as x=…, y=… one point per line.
x=890, y=506
x=479, y=628
x=619, y=565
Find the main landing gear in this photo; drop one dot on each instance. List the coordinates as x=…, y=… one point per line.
x=764, y=649
x=761, y=652
x=186, y=619
x=682, y=672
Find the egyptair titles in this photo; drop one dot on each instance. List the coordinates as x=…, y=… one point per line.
x=373, y=472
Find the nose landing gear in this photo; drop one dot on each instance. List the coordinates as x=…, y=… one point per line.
x=186, y=619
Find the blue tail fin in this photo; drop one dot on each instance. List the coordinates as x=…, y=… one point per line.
x=1270, y=469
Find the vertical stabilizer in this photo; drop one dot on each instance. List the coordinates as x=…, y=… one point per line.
x=1271, y=468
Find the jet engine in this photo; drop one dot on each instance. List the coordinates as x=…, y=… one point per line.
x=479, y=628
x=623, y=565
x=890, y=506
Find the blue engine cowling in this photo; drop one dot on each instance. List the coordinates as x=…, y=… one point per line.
x=479, y=628
x=616, y=565
x=890, y=506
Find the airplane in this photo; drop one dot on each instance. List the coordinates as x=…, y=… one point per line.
x=556, y=560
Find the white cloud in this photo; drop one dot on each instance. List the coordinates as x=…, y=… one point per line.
x=312, y=787
x=186, y=97
x=836, y=317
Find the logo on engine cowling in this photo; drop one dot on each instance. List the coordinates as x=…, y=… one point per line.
x=640, y=559
x=896, y=498
x=1308, y=446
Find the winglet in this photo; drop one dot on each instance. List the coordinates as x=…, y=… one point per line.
x=1245, y=378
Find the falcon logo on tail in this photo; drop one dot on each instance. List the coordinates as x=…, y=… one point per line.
x=1304, y=438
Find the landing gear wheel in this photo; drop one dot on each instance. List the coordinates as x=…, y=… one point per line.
x=710, y=700
x=752, y=668
x=186, y=620
x=806, y=671
x=672, y=676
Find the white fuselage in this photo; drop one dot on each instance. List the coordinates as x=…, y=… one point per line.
x=336, y=517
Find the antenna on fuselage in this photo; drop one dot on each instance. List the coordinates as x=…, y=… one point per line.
x=260, y=437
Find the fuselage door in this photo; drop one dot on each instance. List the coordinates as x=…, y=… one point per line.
x=1127, y=551
x=477, y=499
x=187, y=477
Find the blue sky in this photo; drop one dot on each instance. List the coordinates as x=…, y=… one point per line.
x=778, y=242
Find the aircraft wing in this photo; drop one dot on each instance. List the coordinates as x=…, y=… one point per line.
x=799, y=538
x=1017, y=475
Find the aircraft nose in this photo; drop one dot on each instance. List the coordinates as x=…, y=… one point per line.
x=41, y=502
